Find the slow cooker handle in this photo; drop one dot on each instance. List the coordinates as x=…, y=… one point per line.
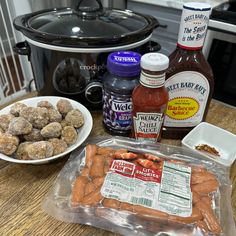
x=22, y=48
x=89, y=9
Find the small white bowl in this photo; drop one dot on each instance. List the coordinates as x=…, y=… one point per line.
x=83, y=132
x=223, y=141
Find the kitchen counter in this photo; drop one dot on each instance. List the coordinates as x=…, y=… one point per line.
x=178, y=4
x=24, y=186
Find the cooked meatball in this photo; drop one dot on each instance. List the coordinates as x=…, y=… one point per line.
x=69, y=135
x=75, y=118
x=64, y=106
x=27, y=113
x=63, y=123
x=52, y=130
x=45, y=104
x=22, y=151
x=34, y=135
x=40, y=150
x=59, y=145
x=16, y=108
x=8, y=144
x=5, y=121
x=54, y=115
x=37, y=116
x=19, y=126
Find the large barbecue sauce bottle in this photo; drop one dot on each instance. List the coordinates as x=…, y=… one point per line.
x=189, y=79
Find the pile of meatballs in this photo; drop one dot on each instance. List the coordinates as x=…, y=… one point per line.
x=33, y=133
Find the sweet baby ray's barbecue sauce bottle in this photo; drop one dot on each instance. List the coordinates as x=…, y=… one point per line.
x=189, y=79
x=150, y=98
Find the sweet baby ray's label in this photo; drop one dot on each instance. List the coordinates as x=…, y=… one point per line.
x=167, y=190
x=193, y=27
x=188, y=95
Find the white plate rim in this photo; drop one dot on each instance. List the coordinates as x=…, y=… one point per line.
x=87, y=126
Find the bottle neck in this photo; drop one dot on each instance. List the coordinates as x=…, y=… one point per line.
x=181, y=55
x=188, y=50
x=184, y=47
x=152, y=80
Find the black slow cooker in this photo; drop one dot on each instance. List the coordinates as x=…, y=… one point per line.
x=68, y=48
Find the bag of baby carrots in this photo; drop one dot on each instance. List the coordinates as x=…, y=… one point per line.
x=136, y=188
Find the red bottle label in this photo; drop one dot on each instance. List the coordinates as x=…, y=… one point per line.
x=147, y=126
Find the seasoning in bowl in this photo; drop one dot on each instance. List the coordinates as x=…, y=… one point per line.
x=208, y=149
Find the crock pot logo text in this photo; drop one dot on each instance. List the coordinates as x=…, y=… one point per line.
x=93, y=67
x=187, y=85
x=125, y=59
x=121, y=107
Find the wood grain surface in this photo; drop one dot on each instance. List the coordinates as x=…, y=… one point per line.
x=22, y=187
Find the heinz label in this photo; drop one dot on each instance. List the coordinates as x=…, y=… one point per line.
x=147, y=126
x=188, y=95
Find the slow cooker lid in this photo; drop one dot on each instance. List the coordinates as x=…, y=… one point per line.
x=68, y=23
x=86, y=26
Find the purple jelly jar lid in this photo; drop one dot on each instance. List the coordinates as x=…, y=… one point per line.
x=124, y=63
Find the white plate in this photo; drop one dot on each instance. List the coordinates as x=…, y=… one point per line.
x=223, y=141
x=83, y=132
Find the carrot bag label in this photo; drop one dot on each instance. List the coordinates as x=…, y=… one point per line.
x=167, y=190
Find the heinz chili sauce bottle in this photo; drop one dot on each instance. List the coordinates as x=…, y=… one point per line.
x=189, y=79
x=150, y=98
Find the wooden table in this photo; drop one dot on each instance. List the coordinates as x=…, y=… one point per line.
x=22, y=187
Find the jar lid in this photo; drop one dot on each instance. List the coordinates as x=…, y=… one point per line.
x=124, y=63
x=154, y=61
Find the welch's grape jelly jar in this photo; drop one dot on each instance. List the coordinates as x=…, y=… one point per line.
x=118, y=84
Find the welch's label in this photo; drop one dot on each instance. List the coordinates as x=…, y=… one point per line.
x=120, y=106
x=125, y=59
x=193, y=26
x=117, y=112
